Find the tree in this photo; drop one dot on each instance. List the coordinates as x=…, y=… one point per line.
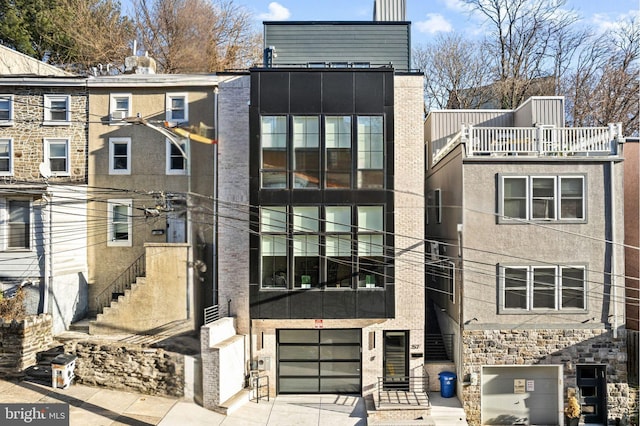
x=186, y=36
x=605, y=87
x=456, y=73
x=528, y=40
x=24, y=25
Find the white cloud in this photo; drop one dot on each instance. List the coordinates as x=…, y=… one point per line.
x=435, y=23
x=457, y=5
x=603, y=22
x=277, y=12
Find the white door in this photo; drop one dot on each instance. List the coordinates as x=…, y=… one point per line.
x=176, y=227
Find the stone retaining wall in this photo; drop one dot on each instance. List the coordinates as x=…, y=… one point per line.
x=21, y=341
x=548, y=346
x=131, y=368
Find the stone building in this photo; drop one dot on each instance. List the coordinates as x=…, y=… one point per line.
x=524, y=222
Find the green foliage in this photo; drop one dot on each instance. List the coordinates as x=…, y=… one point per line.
x=25, y=24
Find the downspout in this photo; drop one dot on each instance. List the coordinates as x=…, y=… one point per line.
x=613, y=137
x=48, y=252
x=214, y=248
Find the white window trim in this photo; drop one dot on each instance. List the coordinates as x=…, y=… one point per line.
x=4, y=226
x=117, y=121
x=119, y=202
x=529, y=309
x=529, y=199
x=168, y=111
x=47, y=158
x=112, y=169
x=8, y=122
x=47, y=110
x=10, y=171
x=168, y=169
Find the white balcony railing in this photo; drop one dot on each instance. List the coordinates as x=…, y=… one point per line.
x=534, y=141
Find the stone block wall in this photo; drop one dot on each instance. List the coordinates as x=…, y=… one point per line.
x=21, y=341
x=131, y=368
x=546, y=346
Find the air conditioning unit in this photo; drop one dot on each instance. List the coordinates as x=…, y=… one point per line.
x=118, y=115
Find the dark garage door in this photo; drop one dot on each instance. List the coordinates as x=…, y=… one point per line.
x=319, y=361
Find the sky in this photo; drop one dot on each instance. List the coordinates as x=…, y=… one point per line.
x=428, y=17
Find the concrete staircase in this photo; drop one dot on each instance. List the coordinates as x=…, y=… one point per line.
x=110, y=321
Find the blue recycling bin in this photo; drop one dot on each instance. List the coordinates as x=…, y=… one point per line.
x=447, y=384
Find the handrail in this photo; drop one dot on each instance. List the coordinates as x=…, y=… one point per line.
x=121, y=283
x=211, y=314
x=448, y=147
x=411, y=383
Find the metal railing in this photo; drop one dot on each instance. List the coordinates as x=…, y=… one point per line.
x=412, y=383
x=211, y=314
x=121, y=283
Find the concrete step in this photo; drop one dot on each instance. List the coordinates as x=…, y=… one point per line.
x=233, y=403
x=81, y=326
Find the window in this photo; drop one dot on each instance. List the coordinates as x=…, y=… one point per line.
x=57, y=110
x=273, y=137
x=370, y=152
x=531, y=288
x=306, y=152
x=437, y=205
x=306, y=247
x=339, y=260
x=273, y=247
x=120, y=221
x=119, y=107
x=177, y=108
x=57, y=156
x=176, y=161
x=6, y=157
x=370, y=246
x=542, y=198
x=6, y=110
x=338, y=152
x=119, y=156
x=19, y=225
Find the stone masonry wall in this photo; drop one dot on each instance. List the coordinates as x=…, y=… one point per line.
x=21, y=341
x=132, y=368
x=541, y=347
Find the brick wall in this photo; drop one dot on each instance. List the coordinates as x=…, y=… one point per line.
x=21, y=341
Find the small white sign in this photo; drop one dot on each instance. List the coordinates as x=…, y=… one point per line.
x=531, y=385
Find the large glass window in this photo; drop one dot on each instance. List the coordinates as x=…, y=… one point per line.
x=306, y=247
x=370, y=152
x=273, y=138
x=120, y=220
x=339, y=259
x=19, y=224
x=542, y=198
x=57, y=156
x=528, y=288
x=120, y=156
x=338, y=152
x=6, y=157
x=273, y=247
x=370, y=246
x=306, y=152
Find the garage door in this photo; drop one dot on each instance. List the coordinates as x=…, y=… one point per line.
x=319, y=361
x=521, y=395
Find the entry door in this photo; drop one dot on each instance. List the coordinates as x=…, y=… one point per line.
x=176, y=227
x=592, y=384
x=396, y=360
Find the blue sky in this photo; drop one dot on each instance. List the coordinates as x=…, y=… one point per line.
x=428, y=17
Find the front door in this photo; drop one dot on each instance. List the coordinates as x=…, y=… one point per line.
x=591, y=382
x=396, y=360
x=176, y=227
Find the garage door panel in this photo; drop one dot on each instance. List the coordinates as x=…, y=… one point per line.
x=299, y=385
x=339, y=368
x=340, y=336
x=289, y=368
x=299, y=352
x=340, y=385
x=340, y=352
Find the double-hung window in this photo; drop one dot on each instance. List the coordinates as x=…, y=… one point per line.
x=337, y=135
x=176, y=161
x=57, y=156
x=273, y=138
x=306, y=247
x=120, y=222
x=542, y=198
x=177, y=108
x=370, y=152
x=120, y=156
x=273, y=247
x=535, y=288
x=119, y=107
x=371, y=251
x=18, y=228
x=306, y=152
x=57, y=110
x=6, y=157
x=339, y=259
x=6, y=110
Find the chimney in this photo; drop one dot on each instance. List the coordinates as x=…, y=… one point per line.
x=139, y=65
x=390, y=10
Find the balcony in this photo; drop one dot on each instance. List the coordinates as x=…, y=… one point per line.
x=540, y=141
